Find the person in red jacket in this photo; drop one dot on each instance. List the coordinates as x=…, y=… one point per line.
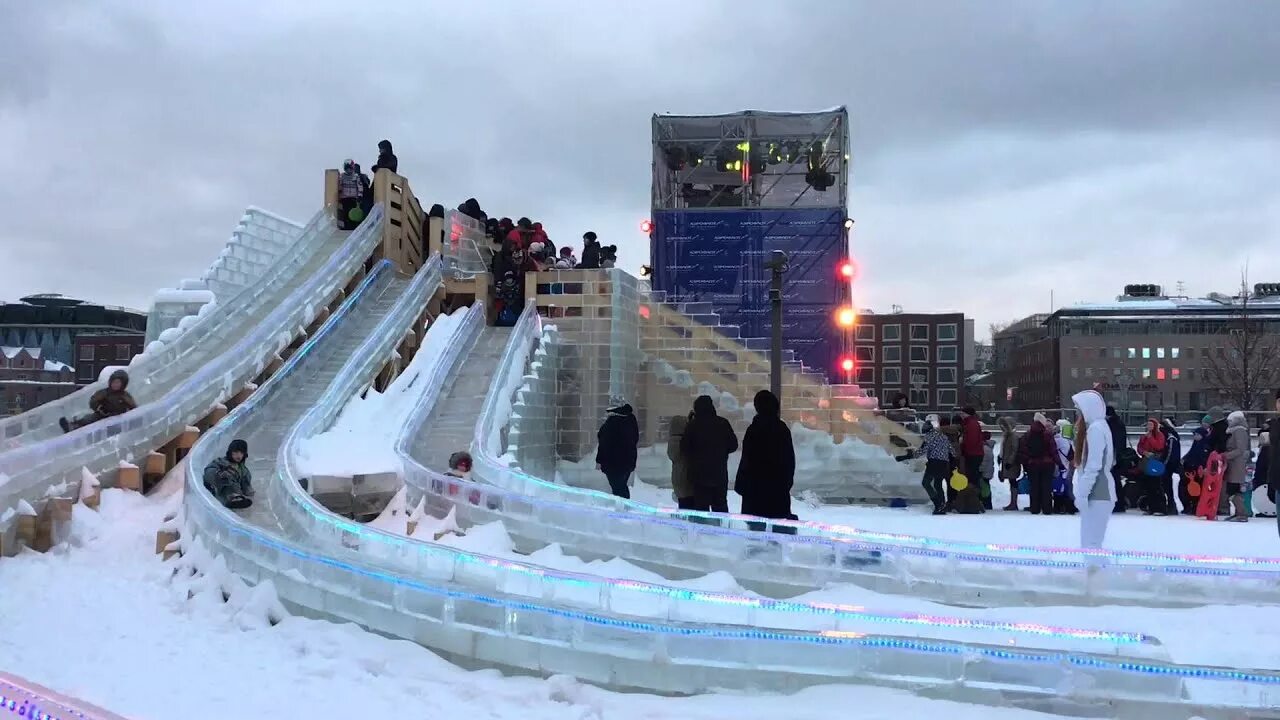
x=1038, y=455
x=1153, y=445
x=973, y=448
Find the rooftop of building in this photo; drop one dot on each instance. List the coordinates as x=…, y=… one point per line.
x=56, y=309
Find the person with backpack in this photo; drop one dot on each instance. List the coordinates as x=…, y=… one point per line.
x=708, y=442
x=1039, y=455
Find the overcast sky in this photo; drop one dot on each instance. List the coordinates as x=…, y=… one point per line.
x=1001, y=150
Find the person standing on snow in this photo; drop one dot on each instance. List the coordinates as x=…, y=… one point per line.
x=708, y=442
x=1273, y=471
x=938, y=452
x=386, y=158
x=110, y=401
x=1153, y=447
x=1010, y=469
x=681, y=485
x=619, y=437
x=228, y=477
x=1094, y=457
x=972, y=448
x=767, y=469
x=1193, y=464
x=1172, y=464
x=1063, y=496
x=1239, y=453
x=1039, y=455
x=1119, y=443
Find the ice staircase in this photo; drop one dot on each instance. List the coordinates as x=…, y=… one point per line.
x=453, y=421
x=258, y=242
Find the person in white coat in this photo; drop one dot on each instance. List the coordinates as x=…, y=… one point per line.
x=1094, y=456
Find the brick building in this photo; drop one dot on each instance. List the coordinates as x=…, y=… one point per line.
x=52, y=323
x=28, y=380
x=97, y=351
x=924, y=356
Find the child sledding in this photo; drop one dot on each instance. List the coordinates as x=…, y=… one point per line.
x=228, y=477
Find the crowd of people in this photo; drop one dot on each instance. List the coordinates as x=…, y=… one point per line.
x=355, y=192
x=699, y=445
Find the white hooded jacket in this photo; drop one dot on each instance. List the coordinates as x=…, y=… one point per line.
x=1093, y=479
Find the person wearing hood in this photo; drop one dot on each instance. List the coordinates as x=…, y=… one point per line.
x=228, y=477
x=938, y=453
x=1239, y=453
x=1153, y=447
x=110, y=401
x=1039, y=455
x=1094, y=457
x=1010, y=470
x=1193, y=464
x=460, y=465
x=386, y=158
x=352, y=186
x=1172, y=464
x=708, y=442
x=972, y=447
x=590, y=252
x=1119, y=444
x=619, y=437
x=767, y=469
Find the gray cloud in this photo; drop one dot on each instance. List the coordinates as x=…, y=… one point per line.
x=1067, y=145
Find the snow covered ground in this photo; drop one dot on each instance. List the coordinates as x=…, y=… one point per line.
x=103, y=620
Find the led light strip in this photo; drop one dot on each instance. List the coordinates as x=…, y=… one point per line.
x=26, y=700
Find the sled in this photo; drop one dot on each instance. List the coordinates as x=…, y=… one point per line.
x=1211, y=487
x=238, y=502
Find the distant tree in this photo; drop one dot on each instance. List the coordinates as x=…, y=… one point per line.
x=1246, y=366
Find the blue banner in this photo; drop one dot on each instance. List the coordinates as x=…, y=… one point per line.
x=718, y=257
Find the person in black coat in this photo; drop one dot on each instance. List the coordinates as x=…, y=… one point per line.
x=1172, y=462
x=386, y=158
x=707, y=444
x=767, y=470
x=619, y=437
x=590, y=252
x=1119, y=441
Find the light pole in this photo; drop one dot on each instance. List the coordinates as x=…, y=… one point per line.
x=777, y=264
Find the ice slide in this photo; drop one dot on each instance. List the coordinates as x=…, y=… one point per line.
x=324, y=565
x=211, y=361
x=780, y=565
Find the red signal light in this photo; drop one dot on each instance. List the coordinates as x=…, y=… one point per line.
x=847, y=364
x=847, y=270
x=646, y=227
x=846, y=317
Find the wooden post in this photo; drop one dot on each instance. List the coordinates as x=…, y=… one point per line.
x=241, y=395
x=153, y=470
x=214, y=417
x=129, y=477
x=185, y=442
x=165, y=538
x=51, y=526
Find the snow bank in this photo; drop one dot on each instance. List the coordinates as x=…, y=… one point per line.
x=373, y=423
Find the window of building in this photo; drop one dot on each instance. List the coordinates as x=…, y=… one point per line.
x=919, y=353
x=919, y=376
x=1173, y=352
x=891, y=376
x=1146, y=353
x=864, y=353
x=1075, y=373
x=1115, y=372
x=1160, y=374
x=1115, y=353
x=86, y=374
x=890, y=353
x=1074, y=353
x=19, y=402
x=1088, y=372
x=948, y=354
x=891, y=332
x=947, y=398
x=1159, y=353
x=1133, y=353
x=1146, y=373
x=1193, y=399
x=86, y=352
x=871, y=392
x=866, y=332
x=946, y=332
x=919, y=332
x=919, y=398
x=866, y=376
x=1191, y=373
x=1204, y=352
x=1102, y=353
x=123, y=352
x=1175, y=373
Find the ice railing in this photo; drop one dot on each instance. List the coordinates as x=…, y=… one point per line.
x=465, y=247
x=23, y=699
x=170, y=362
x=805, y=555
x=665, y=656
x=33, y=468
x=443, y=494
